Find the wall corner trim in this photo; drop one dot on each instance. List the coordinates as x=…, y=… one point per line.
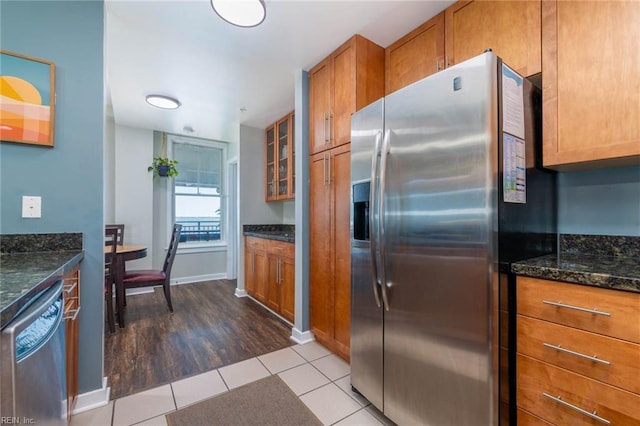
x=93, y=399
x=301, y=337
x=241, y=292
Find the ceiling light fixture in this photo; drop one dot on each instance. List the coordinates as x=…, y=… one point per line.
x=242, y=13
x=161, y=101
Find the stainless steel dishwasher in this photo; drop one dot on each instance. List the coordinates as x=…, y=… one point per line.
x=32, y=361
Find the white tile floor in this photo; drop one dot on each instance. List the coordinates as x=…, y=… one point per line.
x=319, y=378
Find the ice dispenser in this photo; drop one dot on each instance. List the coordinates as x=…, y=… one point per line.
x=361, y=211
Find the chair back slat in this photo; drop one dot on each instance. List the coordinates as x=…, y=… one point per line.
x=173, y=248
x=120, y=229
x=110, y=240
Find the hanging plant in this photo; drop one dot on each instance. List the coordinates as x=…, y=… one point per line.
x=163, y=165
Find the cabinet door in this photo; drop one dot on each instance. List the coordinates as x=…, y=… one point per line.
x=261, y=271
x=249, y=271
x=285, y=155
x=320, y=249
x=319, y=106
x=271, y=165
x=416, y=55
x=340, y=167
x=510, y=28
x=287, y=288
x=71, y=323
x=591, y=64
x=344, y=93
x=273, y=283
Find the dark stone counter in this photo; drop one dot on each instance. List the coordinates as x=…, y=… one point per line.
x=599, y=261
x=27, y=269
x=286, y=233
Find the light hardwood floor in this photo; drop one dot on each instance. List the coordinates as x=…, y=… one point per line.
x=210, y=328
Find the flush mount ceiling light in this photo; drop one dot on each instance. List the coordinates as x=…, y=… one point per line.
x=161, y=101
x=242, y=13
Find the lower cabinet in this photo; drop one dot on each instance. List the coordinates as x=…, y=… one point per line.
x=71, y=323
x=255, y=268
x=270, y=274
x=578, y=354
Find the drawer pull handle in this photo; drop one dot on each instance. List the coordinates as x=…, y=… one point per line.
x=592, y=358
x=577, y=308
x=578, y=409
x=73, y=314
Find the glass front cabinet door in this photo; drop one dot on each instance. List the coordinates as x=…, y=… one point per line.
x=280, y=160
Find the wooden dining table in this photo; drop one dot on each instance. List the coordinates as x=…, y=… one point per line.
x=124, y=253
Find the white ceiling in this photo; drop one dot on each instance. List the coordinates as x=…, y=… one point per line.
x=181, y=48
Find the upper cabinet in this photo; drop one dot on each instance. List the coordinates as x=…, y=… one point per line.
x=464, y=30
x=591, y=84
x=416, y=55
x=280, y=160
x=350, y=78
x=510, y=28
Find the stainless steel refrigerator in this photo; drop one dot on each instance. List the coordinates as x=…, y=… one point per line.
x=447, y=190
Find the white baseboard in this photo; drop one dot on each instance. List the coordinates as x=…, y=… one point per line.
x=93, y=399
x=269, y=309
x=301, y=337
x=199, y=278
x=241, y=293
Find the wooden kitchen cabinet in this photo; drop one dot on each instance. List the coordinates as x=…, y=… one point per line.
x=279, y=179
x=71, y=296
x=464, y=30
x=270, y=274
x=591, y=89
x=281, y=280
x=256, y=267
x=416, y=55
x=510, y=28
x=577, y=345
x=330, y=249
x=350, y=78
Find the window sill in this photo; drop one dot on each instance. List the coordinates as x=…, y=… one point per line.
x=186, y=248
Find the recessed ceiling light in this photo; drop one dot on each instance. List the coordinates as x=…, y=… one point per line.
x=161, y=101
x=242, y=13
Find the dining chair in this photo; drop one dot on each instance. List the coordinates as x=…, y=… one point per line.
x=156, y=277
x=120, y=228
x=111, y=240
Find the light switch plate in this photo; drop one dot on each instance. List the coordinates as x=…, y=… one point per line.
x=31, y=206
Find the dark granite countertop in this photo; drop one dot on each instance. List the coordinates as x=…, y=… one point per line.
x=589, y=261
x=25, y=273
x=286, y=233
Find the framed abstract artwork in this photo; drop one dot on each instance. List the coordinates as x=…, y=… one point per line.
x=27, y=99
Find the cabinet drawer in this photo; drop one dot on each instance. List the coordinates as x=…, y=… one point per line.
x=558, y=395
x=623, y=358
x=255, y=243
x=527, y=419
x=281, y=248
x=610, y=312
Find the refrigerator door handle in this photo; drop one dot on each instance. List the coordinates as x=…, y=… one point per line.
x=384, y=153
x=372, y=220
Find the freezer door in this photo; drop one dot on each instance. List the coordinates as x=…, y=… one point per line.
x=366, y=314
x=439, y=218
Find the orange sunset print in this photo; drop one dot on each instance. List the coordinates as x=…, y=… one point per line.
x=26, y=114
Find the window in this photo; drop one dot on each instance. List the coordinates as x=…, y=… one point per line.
x=198, y=190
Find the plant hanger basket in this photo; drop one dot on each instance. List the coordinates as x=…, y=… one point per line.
x=163, y=165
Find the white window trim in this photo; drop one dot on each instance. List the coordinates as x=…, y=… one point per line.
x=200, y=247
